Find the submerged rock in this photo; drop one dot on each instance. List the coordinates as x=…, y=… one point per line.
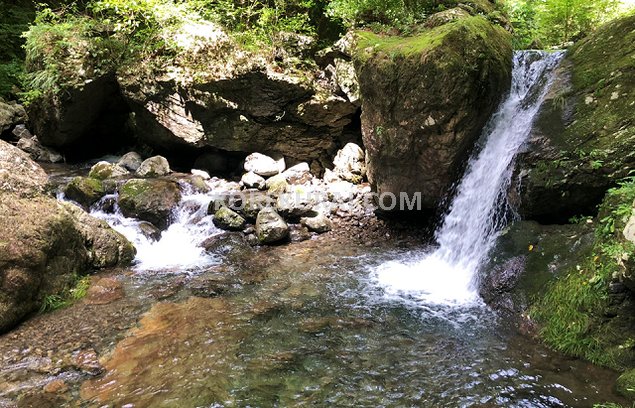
x=150, y=200
x=270, y=227
x=425, y=100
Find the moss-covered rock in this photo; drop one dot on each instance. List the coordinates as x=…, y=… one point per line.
x=85, y=190
x=425, y=100
x=583, y=141
x=270, y=227
x=228, y=220
x=150, y=200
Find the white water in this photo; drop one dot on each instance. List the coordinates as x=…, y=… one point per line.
x=179, y=247
x=448, y=276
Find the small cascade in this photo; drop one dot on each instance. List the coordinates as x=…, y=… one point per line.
x=479, y=210
x=179, y=247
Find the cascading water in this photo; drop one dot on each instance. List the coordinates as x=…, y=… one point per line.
x=479, y=210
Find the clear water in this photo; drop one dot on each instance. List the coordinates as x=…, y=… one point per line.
x=448, y=274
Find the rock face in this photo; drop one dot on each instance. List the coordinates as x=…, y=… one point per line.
x=84, y=121
x=583, y=140
x=11, y=115
x=45, y=244
x=149, y=200
x=425, y=100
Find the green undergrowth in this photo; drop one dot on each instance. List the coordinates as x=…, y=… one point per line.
x=577, y=314
x=67, y=297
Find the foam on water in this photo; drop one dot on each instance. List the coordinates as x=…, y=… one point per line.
x=179, y=247
x=449, y=274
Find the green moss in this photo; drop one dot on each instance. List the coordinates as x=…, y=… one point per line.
x=134, y=188
x=573, y=312
x=625, y=384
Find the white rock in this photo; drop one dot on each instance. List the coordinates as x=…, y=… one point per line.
x=264, y=165
x=200, y=173
x=350, y=164
x=252, y=180
x=298, y=174
x=341, y=192
x=156, y=166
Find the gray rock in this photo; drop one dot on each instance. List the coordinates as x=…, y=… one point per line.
x=149, y=200
x=298, y=174
x=149, y=231
x=131, y=161
x=104, y=170
x=11, y=114
x=270, y=227
x=277, y=185
x=156, y=166
x=320, y=223
x=296, y=204
x=228, y=220
x=34, y=148
x=350, y=164
x=264, y=165
x=19, y=174
x=252, y=180
x=299, y=233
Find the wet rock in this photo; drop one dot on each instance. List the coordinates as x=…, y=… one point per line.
x=104, y=291
x=298, y=174
x=149, y=200
x=350, y=164
x=299, y=233
x=19, y=174
x=105, y=170
x=87, y=361
x=227, y=219
x=320, y=223
x=130, y=161
x=149, y=231
x=270, y=227
x=156, y=166
x=252, y=180
x=85, y=191
x=56, y=387
x=264, y=165
x=422, y=111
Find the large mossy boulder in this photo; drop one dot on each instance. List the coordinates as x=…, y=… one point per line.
x=85, y=190
x=149, y=200
x=583, y=140
x=425, y=100
x=45, y=244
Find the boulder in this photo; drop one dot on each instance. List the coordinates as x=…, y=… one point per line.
x=298, y=174
x=583, y=139
x=425, y=100
x=156, y=166
x=296, y=204
x=252, y=180
x=149, y=231
x=11, y=114
x=229, y=220
x=299, y=233
x=45, y=244
x=149, y=200
x=32, y=146
x=130, y=161
x=105, y=170
x=277, y=185
x=270, y=227
x=264, y=165
x=85, y=191
x=18, y=173
x=253, y=203
x=350, y=163
x=320, y=223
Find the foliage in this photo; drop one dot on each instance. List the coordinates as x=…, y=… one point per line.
x=572, y=312
x=67, y=297
x=540, y=23
x=14, y=19
x=396, y=13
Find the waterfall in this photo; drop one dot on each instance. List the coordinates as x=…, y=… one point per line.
x=449, y=274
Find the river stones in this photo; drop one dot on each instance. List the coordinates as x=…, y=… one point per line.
x=149, y=200
x=85, y=191
x=320, y=223
x=270, y=227
x=229, y=220
x=264, y=165
x=156, y=166
x=253, y=180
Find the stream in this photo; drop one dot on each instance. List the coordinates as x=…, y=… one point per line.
x=317, y=323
